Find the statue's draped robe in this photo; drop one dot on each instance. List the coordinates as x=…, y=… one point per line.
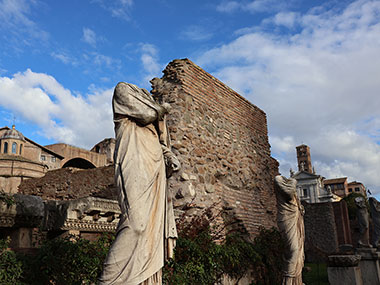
x=363, y=221
x=374, y=206
x=291, y=225
x=147, y=221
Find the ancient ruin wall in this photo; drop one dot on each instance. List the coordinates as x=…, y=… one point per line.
x=321, y=238
x=221, y=140
x=72, y=183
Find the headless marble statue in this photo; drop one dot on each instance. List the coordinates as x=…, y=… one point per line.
x=363, y=221
x=146, y=232
x=374, y=207
x=290, y=223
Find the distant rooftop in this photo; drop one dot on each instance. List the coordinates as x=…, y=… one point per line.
x=335, y=180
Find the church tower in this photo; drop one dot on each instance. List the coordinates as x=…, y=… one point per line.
x=304, y=158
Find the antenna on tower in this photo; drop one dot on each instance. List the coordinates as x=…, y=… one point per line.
x=14, y=120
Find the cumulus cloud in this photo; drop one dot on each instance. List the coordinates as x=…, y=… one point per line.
x=149, y=59
x=287, y=19
x=318, y=85
x=62, y=116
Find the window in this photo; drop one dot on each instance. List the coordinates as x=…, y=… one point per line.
x=5, y=147
x=20, y=149
x=14, y=148
x=357, y=189
x=349, y=189
x=43, y=157
x=304, y=192
x=53, y=159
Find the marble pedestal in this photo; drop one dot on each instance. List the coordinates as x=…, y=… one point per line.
x=369, y=265
x=344, y=269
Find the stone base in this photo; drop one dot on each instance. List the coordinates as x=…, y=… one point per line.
x=369, y=265
x=344, y=269
x=345, y=275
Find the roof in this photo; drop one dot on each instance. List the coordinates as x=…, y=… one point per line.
x=302, y=145
x=12, y=134
x=335, y=180
x=355, y=183
x=45, y=149
x=33, y=142
x=305, y=174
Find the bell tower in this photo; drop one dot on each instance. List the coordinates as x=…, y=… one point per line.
x=304, y=158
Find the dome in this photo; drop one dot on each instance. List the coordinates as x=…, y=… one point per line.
x=13, y=134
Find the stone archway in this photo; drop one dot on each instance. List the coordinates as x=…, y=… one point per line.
x=79, y=163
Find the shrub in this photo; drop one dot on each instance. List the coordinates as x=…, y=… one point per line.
x=10, y=266
x=201, y=258
x=7, y=198
x=64, y=261
x=351, y=206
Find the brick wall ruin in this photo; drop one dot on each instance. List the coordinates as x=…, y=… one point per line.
x=221, y=140
x=72, y=183
x=321, y=238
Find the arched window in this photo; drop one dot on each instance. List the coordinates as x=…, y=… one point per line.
x=5, y=147
x=20, y=149
x=14, y=147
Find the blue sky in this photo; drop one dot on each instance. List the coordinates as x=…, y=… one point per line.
x=312, y=66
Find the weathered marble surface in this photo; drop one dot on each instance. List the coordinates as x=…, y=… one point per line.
x=374, y=207
x=344, y=260
x=344, y=269
x=369, y=265
x=290, y=222
x=363, y=220
x=147, y=225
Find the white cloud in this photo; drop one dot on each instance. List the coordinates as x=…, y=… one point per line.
x=228, y=6
x=318, y=85
x=15, y=20
x=149, y=59
x=62, y=116
x=287, y=19
x=118, y=8
x=256, y=6
x=101, y=59
x=89, y=37
x=64, y=57
x=196, y=33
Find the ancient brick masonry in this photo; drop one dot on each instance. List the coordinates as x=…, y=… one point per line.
x=221, y=140
x=72, y=183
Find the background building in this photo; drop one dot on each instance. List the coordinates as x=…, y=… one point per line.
x=309, y=184
x=357, y=187
x=21, y=158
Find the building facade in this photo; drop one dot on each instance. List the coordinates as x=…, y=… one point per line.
x=309, y=184
x=357, y=187
x=338, y=186
x=21, y=158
